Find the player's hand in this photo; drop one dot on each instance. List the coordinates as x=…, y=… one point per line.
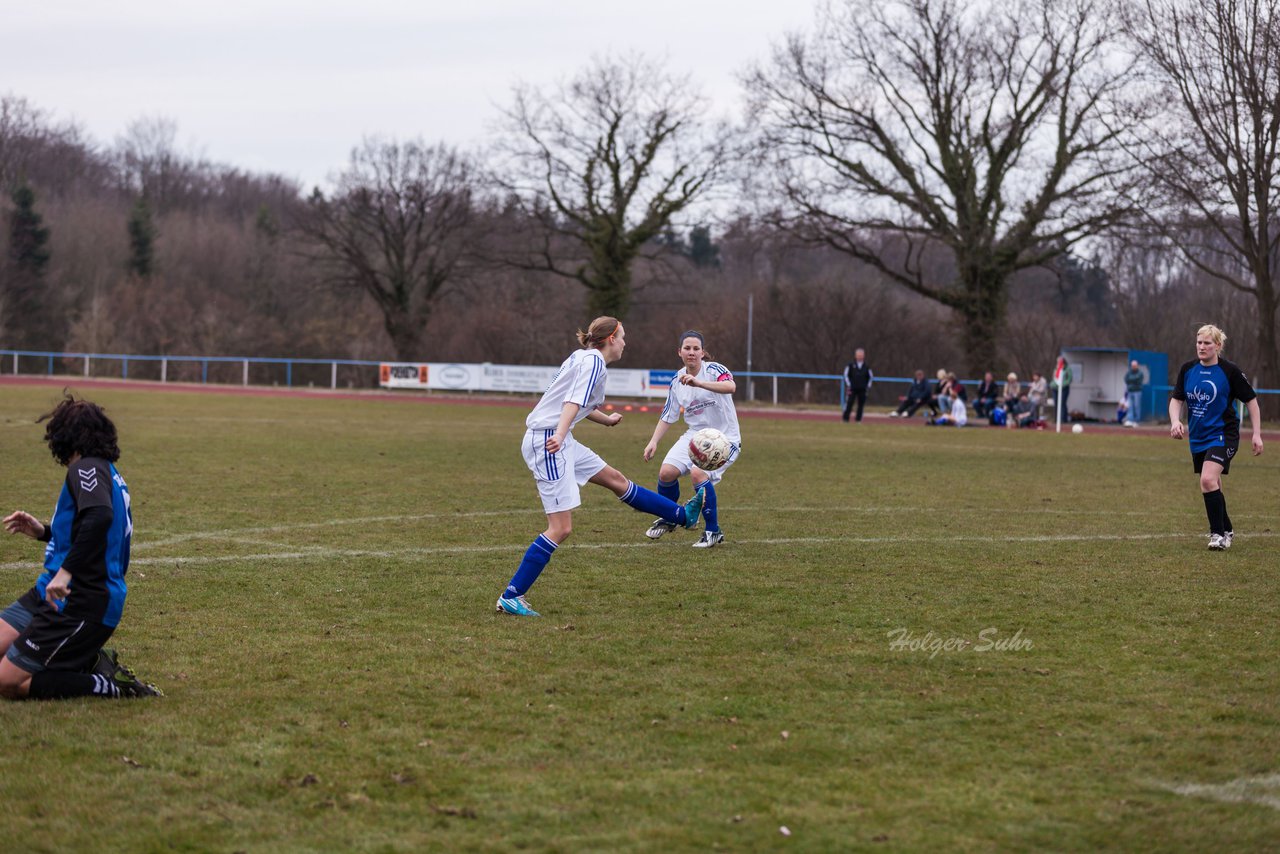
x=612, y=419
x=649, y=450
x=1177, y=430
x=22, y=522
x=58, y=587
x=1257, y=445
x=686, y=379
x=554, y=444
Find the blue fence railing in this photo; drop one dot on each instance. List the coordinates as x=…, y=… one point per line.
x=362, y=373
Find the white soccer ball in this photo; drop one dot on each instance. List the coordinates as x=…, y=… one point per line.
x=1077, y=428
x=709, y=449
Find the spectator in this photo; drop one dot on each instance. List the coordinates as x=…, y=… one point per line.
x=958, y=417
x=1022, y=413
x=1012, y=390
x=1037, y=391
x=917, y=396
x=984, y=400
x=857, y=382
x=1133, y=381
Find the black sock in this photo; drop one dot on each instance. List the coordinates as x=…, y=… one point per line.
x=1226, y=520
x=59, y=684
x=1215, y=507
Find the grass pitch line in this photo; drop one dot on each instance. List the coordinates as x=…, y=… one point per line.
x=514, y=548
x=1263, y=789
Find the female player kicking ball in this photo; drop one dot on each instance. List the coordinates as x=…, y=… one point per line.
x=703, y=390
x=1208, y=386
x=561, y=465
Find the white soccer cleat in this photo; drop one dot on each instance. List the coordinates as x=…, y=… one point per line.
x=658, y=528
x=1226, y=539
x=1217, y=543
x=709, y=539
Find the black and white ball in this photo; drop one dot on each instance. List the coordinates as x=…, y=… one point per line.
x=709, y=449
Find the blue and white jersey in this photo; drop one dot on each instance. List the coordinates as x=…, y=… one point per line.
x=703, y=408
x=1210, y=393
x=99, y=560
x=580, y=380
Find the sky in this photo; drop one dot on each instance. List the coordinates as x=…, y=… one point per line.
x=291, y=86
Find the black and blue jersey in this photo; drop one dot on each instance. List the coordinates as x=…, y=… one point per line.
x=1210, y=393
x=90, y=536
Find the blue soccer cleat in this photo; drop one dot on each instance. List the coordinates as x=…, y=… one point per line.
x=516, y=606
x=693, y=509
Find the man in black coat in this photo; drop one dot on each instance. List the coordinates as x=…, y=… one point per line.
x=857, y=382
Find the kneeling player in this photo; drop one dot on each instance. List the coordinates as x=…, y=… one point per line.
x=53, y=634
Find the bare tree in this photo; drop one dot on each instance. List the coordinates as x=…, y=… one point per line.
x=603, y=164
x=909, y=132
x=1213, y=151
x=399, y=227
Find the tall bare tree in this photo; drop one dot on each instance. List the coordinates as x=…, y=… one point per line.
x=603, y=163
x=947, y=143
x=1213, y=151
x=399, y=227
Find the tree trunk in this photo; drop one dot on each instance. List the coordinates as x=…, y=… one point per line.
x=983, y=313
x=1268, y=371
x=611, y=295
x=406, y=333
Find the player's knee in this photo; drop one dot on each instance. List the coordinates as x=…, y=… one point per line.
x=13, y=686
x=1208, y=483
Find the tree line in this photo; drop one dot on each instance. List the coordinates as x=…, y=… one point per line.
x=947, y=183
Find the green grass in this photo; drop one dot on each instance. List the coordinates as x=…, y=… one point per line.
x=313, y=585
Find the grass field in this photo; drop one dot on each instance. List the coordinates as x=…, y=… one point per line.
x=313, y=586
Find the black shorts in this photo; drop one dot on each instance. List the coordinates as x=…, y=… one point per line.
x=1220, y=454
x=54, y=641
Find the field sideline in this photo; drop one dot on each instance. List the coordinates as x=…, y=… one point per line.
x=913, y=639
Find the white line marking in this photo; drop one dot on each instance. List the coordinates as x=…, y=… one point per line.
x=514, y=548
x=1263, y=789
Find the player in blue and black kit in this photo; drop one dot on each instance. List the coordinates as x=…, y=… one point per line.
x=53, y=635
x=1208, y=387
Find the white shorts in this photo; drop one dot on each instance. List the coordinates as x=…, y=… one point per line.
x=559, y=475
x=678, y=457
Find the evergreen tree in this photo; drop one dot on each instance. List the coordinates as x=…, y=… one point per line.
x=28, y=236
x=25, y=298
x=142, y=237
x=702, y=249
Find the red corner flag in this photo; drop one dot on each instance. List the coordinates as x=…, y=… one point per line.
x=1057, y=372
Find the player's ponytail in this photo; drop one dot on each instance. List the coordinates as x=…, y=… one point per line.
x=599, y=332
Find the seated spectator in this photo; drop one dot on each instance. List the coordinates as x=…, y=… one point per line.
x=1037, y=391
x=1122, y=412
x=984, y=399
x=940, y=399
x=958, y=417
x=1022, y=413
x=1012, y=391
x=917, y=396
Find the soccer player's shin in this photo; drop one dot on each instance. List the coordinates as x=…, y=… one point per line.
x=531, y=566
x=709, y=506
x=647, y=501
x=58, y=685
x=669, y=489
x=1215, y=507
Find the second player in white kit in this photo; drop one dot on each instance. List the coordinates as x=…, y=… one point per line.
x=702, y=391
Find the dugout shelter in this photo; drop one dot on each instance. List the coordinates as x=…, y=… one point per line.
x=1097, y=384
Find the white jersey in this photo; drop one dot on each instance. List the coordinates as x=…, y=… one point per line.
x=580, y=380
x=703, y=408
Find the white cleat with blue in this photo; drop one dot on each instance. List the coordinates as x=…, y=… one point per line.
x=516, y=606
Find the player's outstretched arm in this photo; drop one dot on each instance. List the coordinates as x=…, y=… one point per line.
x=659, y=431
x=22, y=522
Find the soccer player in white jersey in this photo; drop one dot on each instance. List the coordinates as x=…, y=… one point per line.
x=703, y=391
x=561, y=465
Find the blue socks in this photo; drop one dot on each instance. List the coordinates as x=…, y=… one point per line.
x=531, y=566
x=647, y=501
x=670, y=490
x=709, y=506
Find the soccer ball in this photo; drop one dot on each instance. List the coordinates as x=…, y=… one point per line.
x=1077, y=428
x=709, y=449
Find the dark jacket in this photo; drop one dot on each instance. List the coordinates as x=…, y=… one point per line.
x=1133, y=380
x=858, y=379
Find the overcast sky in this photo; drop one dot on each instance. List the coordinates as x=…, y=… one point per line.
x=290, y=86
